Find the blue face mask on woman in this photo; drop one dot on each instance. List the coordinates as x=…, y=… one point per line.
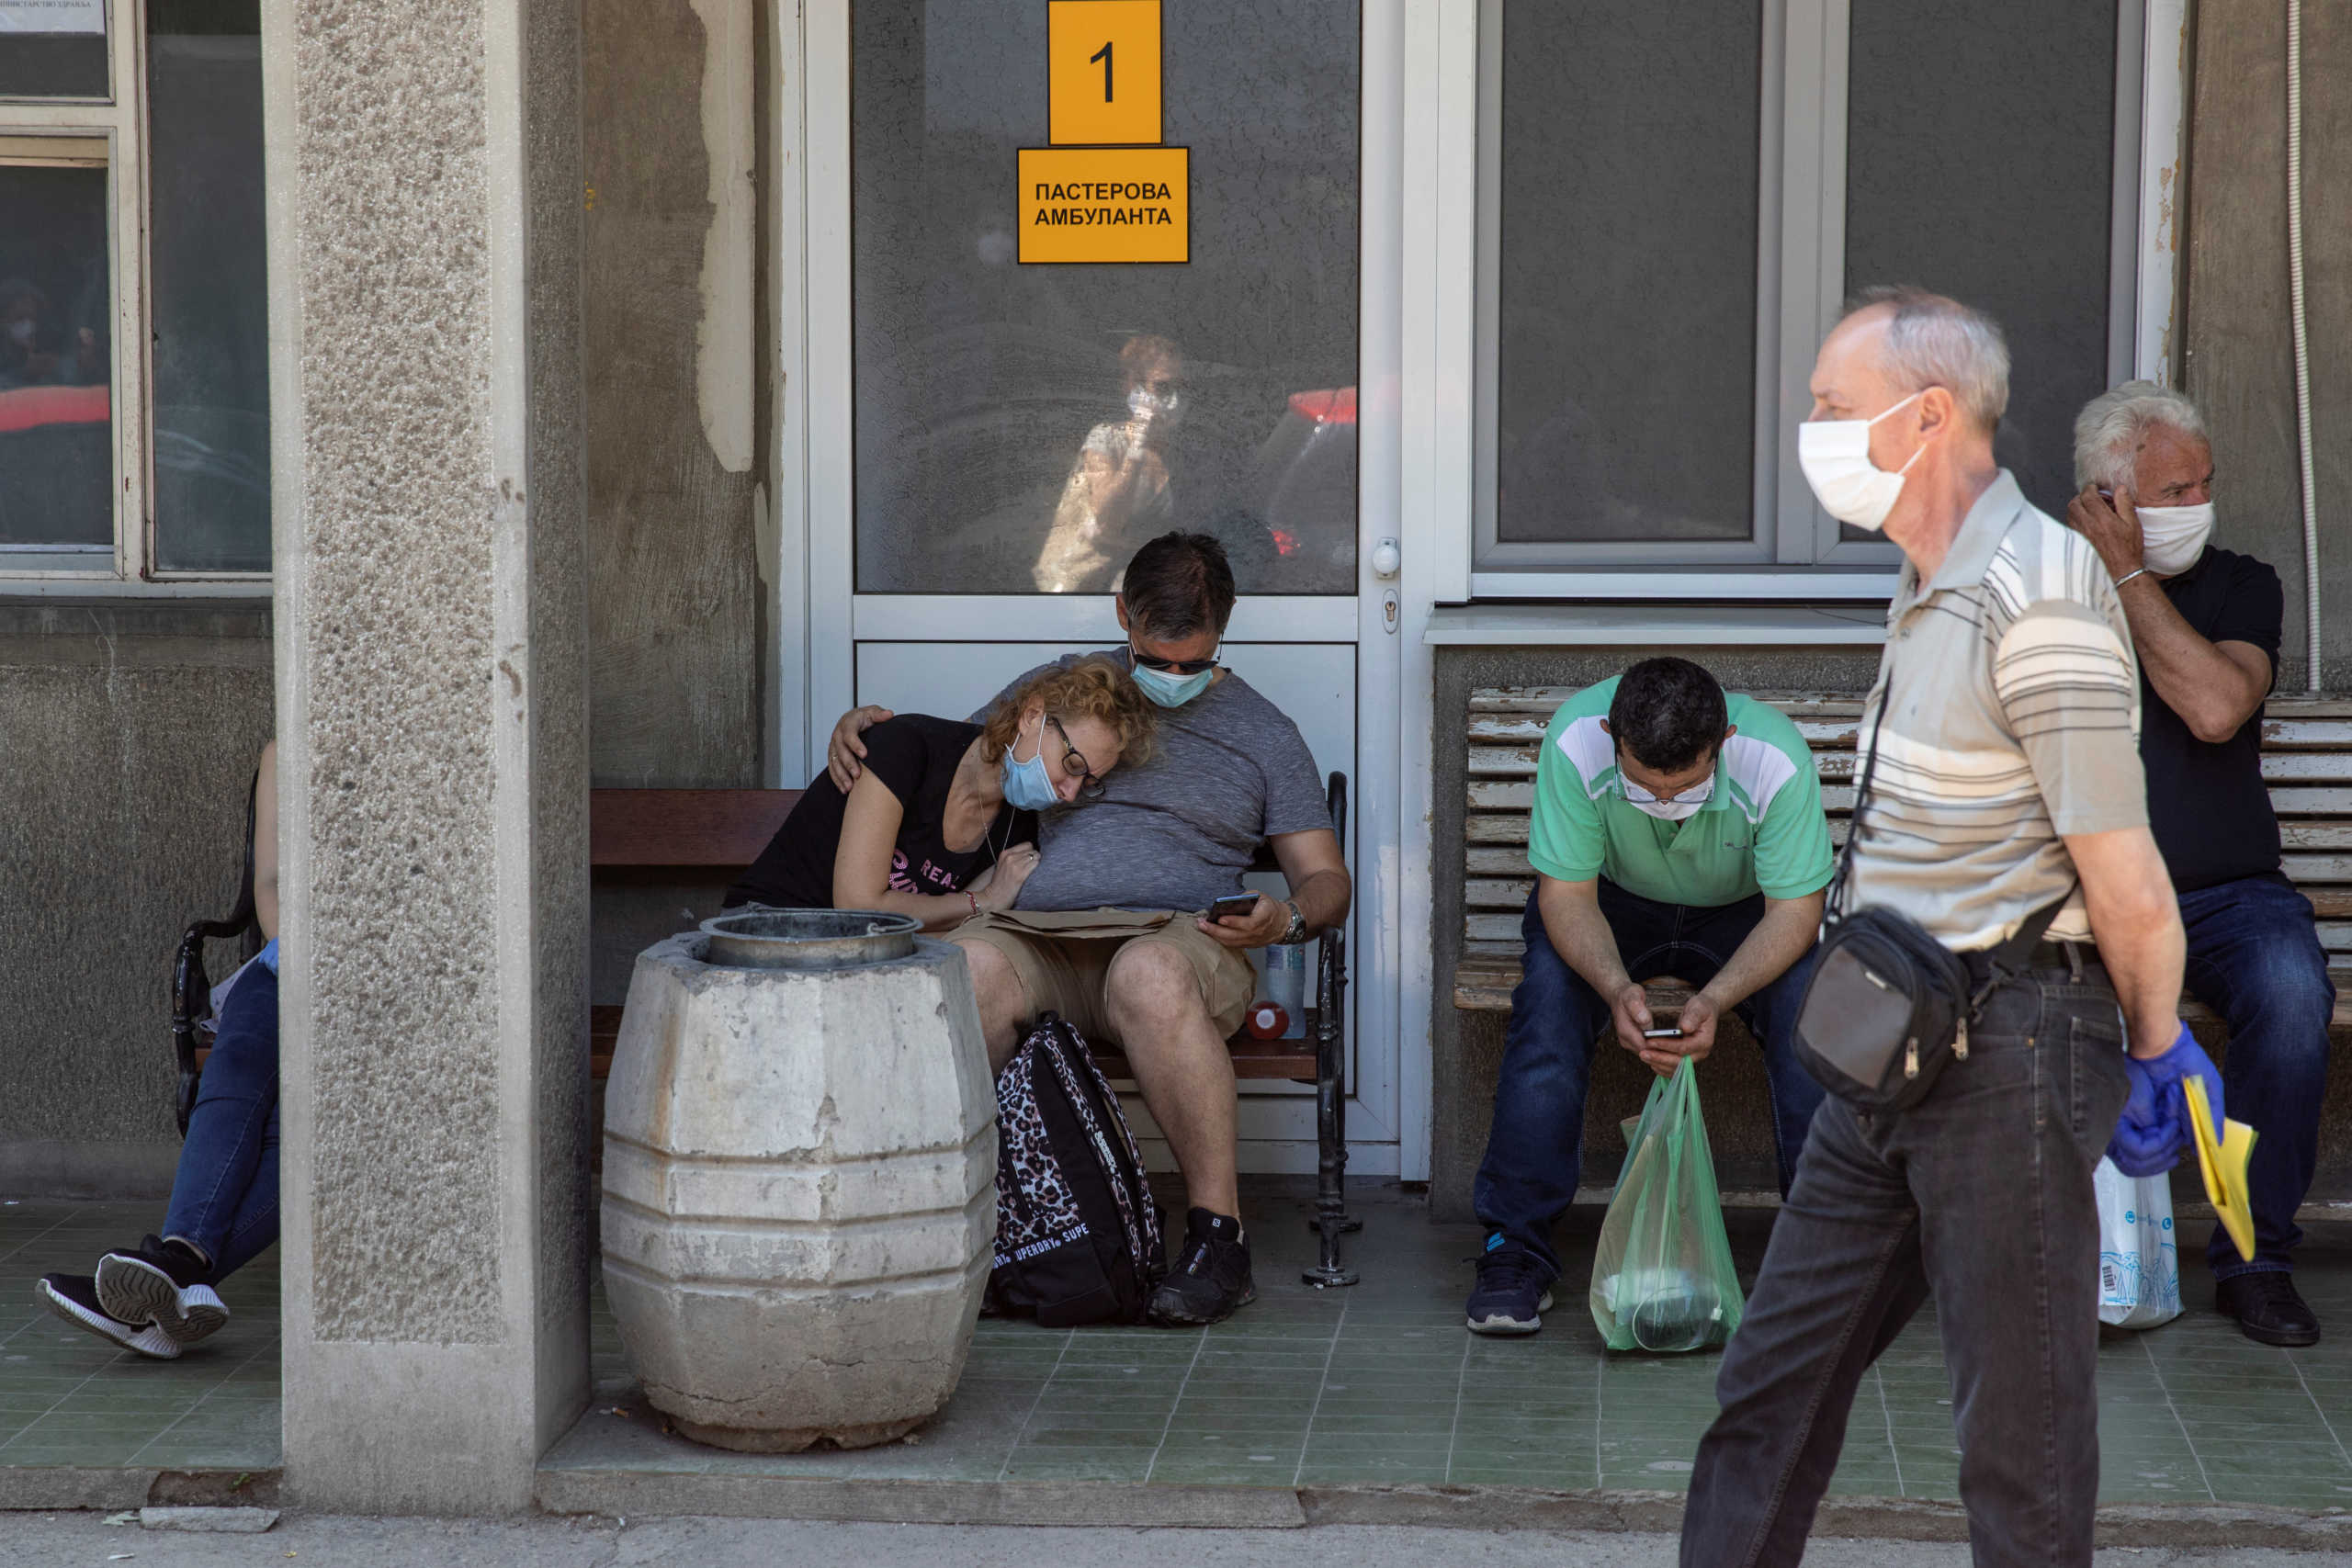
x=1027, y=785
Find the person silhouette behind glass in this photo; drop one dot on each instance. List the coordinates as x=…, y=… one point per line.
x=1117, y=493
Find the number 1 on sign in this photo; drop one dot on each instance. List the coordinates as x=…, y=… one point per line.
x=1104, y=73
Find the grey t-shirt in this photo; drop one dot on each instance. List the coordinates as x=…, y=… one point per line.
x=1231, y=771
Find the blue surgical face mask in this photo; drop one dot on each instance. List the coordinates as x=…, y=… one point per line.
x=1169, y=691
x=1027, y=785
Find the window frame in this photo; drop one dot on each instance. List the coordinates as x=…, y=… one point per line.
x=121, y=120
x=1793, y=551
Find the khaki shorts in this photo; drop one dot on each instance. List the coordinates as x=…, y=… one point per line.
x=1062, y=958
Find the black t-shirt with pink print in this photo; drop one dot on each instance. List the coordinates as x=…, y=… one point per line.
x=915, y=756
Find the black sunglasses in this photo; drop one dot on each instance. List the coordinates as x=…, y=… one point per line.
x=1089, y=786
x=1171, y=666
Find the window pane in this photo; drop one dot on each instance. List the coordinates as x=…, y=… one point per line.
x=56, y=349
x=1006, y=437
x=1626, y=401
x=208, y=286
x=52, y=49
x=1934, y=193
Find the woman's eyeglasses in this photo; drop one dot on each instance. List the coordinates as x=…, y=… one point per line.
x=1089, y=786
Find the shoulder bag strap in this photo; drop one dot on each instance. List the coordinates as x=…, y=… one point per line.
x=1836, y=902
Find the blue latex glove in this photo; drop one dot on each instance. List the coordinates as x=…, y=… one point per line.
x=2154, y=1131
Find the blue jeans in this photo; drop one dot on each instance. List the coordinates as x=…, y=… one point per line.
x=224, y=1198
x=1534, y=1153
x=2255, y=958
x=1980, y=1195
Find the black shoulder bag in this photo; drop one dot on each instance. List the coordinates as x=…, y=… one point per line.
x=1888, y=1005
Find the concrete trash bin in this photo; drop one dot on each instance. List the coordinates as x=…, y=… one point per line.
x=799, y=1178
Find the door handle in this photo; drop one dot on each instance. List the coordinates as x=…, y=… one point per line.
x=1387, y=560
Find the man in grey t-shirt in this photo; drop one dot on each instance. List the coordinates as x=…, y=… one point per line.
x=1110, y=931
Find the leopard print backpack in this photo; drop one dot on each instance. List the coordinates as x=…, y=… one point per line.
x=1077, y=1236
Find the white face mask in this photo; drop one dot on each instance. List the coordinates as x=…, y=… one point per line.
x=2172, y=537
x=1836, y=457
x=1147, y=405
x=1675, y=810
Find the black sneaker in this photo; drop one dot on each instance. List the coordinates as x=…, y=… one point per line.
x=164, y=1283
x=1212, y=1281
x=74, y=1298
x=2269, y=1308
x=1513, y=1292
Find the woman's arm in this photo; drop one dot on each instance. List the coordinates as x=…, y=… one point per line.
x=862, y=863
x=266, y=843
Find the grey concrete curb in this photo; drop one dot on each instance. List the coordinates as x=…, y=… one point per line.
x=1870, y=1518
x=919, y=1502
x=60, y=1487
x=1464, y=1507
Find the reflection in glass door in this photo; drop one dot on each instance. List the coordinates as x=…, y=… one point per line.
x=1065, y=293
x=1020, y=428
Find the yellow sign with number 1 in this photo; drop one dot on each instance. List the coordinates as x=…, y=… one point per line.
x=1102, y=73
x=2223, y=1159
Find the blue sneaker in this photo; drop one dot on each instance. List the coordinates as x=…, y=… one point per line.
x=1513, y=1292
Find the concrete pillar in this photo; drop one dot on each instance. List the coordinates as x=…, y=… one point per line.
x=424, y=209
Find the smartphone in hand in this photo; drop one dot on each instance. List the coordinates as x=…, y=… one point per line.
x=1661, y=1034
x=1233, y=904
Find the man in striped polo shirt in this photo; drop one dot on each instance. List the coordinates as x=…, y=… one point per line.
x=2007, y=778
x=1674, y=833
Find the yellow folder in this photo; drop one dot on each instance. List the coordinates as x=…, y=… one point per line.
x=2223, y=1159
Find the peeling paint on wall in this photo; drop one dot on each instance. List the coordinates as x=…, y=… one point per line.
x=724, y=353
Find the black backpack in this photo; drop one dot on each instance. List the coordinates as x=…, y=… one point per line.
x=1077, y=1237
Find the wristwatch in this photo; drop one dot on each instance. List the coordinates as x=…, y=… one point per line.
x=1296, y=933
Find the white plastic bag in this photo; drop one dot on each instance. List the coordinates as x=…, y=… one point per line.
x=2139, y=1268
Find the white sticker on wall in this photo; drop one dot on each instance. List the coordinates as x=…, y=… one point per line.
x=52, y=16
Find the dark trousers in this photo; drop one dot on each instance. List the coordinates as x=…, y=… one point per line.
x=224, y=1198
x=1981, y=1196
x=1534, y=1153
x=2255, y=958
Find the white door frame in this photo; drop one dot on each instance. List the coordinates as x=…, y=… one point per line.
x=821, y=618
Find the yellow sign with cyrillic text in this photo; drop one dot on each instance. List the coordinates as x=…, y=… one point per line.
x=1102, y=71
x=1106, y=204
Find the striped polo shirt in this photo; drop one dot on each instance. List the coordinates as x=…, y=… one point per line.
x=2012, y=700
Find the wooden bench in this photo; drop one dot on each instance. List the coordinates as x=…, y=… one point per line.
x=2306, y=759
x=690, y=834
x=669, y=835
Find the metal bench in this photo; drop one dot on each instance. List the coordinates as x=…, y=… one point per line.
x=2306, y=759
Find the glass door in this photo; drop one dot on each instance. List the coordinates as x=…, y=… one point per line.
x=1080, y=272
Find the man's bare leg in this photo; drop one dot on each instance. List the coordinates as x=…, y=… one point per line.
x=1181, y=1064
x=1004, y=1001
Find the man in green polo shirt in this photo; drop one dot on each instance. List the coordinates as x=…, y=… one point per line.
x=1675, y=833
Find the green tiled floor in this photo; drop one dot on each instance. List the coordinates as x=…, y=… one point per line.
x=67, y=1398
x=1380, y=1383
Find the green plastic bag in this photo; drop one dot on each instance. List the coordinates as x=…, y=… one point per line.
x=1662, y=1277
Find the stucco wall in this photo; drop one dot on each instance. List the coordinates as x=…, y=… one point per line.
x=668, y=268
x=431, y=659
x=679, y=647
x=128, y=736
x=2239, y=364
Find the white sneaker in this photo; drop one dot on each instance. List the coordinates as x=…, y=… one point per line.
x=74, y=1298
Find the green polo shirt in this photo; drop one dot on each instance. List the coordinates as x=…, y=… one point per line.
x=1760, y=829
